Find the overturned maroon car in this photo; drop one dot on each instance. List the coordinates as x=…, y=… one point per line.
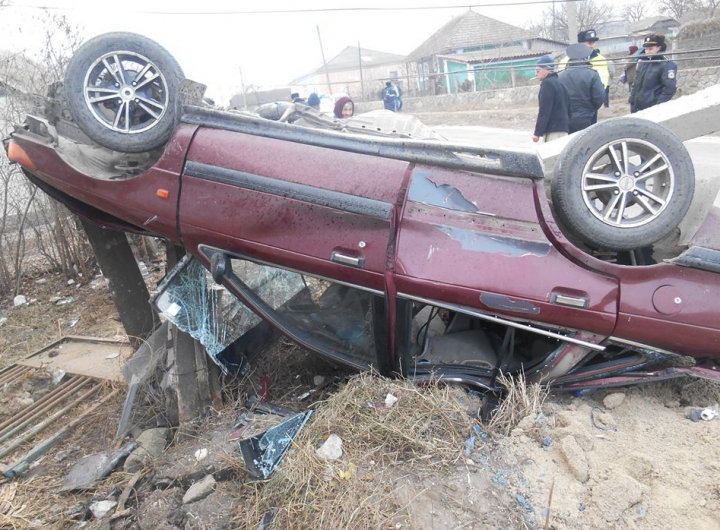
x=378, y=244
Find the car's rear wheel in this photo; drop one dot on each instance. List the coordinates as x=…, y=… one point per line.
x=121, y=89
x=623, y=184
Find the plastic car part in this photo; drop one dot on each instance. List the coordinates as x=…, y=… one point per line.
x=264, y=452
x=122, y=91
x=622, y=184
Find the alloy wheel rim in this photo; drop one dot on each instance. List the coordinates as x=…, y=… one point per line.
x=126, y=92
x=627, y=183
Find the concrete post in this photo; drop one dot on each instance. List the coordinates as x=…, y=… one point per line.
x=127, y=285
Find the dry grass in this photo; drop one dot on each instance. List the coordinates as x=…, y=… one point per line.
x=424, y=431
x=522, y=399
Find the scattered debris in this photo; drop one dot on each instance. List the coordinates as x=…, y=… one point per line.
x=201, y=454
x=70, y=281
x=73, y=322
x=263, y=453
x=704, y=414
x=92, y=468
x=101, y=508
x=199, y=490
x=602, y=419
x=3, y=320
x=113, y=355
x=318, y=380
x=19, y=300
x=390, y=400
x=331, y=449
x=614, y=400
x=65, y=301
x=56, y=373
x=477, y=432
x=151, y=444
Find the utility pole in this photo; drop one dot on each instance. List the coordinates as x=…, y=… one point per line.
x=571, y=21
x=327, y=74
x=242, y=87
x=362, y=85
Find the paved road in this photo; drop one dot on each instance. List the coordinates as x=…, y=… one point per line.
x=705, y=151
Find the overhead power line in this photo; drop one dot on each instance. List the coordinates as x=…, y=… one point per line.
x=318, y=10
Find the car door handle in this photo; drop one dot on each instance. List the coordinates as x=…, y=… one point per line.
x=344, y=259
x=570, y=301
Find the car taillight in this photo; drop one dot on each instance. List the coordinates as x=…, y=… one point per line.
x=17, y=154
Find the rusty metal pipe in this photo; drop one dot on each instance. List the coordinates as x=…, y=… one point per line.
x=23, y=463
x=29, y=416
x=12, y=373
x=4, y=425
x=42, y=425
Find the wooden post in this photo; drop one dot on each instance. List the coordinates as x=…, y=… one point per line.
x=194, y=384
x=127, y=285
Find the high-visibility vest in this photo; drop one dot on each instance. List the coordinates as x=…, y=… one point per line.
x=598, y=63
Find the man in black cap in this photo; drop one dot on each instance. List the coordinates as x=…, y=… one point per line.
x=553, y=119
x=656, y=77
x=587, y=92
x=597, y=61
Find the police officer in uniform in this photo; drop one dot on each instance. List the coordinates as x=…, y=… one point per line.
x=656, y=76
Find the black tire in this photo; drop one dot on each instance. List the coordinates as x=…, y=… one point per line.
x=613, y=205
x=117, y=107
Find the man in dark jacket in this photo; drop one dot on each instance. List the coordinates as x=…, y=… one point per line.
x=587, y=92
x=656, y=77
x=553, y=119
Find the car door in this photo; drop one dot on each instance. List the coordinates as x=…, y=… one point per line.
x=474, y=241
x=317, y=221
x=303, y=207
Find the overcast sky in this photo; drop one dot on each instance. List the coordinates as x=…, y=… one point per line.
x=211, y=40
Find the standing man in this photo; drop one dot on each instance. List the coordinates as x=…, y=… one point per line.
x=656, y=77
x=587, y=92
x=391, y=97
x=597, y=61
x=553, y=119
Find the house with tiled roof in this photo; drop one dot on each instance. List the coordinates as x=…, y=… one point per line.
x=358, y=72
x=472, y=52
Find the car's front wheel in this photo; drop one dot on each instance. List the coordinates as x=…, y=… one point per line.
x=623, y=184
x=121, y=89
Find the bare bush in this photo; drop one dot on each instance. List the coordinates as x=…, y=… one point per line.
x=36, y=233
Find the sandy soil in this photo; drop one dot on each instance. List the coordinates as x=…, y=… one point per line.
x=629, y=458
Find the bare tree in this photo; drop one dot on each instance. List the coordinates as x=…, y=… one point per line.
x=677, y=8
x=634, y=11
x=554, y=25
x=710, y=7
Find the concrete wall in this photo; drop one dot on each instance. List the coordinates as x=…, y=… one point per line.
x=689, y=82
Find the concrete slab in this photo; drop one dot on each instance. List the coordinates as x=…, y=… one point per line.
x=91, y=357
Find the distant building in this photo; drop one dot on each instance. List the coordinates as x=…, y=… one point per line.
x=475, y=52
x=358, y=72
